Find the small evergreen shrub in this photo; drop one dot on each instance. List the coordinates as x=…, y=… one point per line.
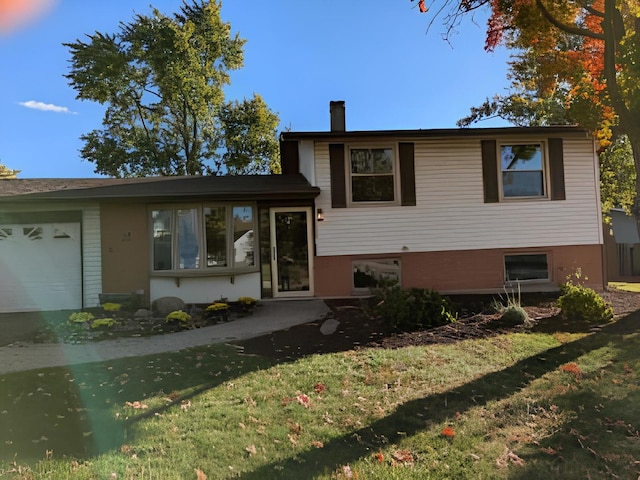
x=510, y=309
x=410, y=309
x=515, y=314
x=578, y=302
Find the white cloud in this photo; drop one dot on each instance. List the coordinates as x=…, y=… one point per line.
x=45, y=107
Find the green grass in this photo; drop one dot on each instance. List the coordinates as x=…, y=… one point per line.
x=520, y=405
x=626, y=286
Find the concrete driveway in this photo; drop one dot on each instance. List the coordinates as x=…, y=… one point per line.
x=271, y=316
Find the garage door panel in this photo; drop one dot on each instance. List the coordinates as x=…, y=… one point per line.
x=41, y=267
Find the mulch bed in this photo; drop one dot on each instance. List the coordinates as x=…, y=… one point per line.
x=357, y=328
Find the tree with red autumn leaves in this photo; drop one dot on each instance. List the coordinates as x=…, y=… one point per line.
x=577, y=61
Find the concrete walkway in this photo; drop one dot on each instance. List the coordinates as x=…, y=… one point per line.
x=269, y=317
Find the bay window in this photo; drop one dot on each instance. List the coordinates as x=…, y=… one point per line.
x=203, y=238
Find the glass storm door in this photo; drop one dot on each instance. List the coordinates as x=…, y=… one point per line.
x=291, y=252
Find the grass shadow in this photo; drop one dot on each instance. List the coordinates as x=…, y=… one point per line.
x=72, y=410
x=416, y=415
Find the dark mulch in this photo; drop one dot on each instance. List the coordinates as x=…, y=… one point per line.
x=358, y=328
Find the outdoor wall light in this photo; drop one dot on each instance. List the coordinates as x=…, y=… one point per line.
x=320, y=215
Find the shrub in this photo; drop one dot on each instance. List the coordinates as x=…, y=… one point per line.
x=178, y=316
x=111, y=307
x=413, y=308
x=247, y=301
x=81, y=317
x=103, y=323
x=582, y=303
x=510, y=309
x=217, y=307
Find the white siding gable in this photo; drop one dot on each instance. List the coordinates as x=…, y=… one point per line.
x=451, y=214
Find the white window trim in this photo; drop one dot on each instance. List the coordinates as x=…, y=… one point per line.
x=203, y=270
x=545, y=169
x=395, y=172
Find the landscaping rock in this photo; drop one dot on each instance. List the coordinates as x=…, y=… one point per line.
x=165, y=305
x=142, y=313
x=329, y=326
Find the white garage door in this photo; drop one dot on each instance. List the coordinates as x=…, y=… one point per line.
x=40, y=267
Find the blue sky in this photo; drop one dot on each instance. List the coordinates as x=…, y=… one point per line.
x=375, y=55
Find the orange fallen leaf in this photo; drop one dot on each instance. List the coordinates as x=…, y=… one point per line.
x=137, y=405
x=448, y=432
x=200, y=474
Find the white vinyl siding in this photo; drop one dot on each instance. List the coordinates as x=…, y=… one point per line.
x=91, y=256
x=451, y=214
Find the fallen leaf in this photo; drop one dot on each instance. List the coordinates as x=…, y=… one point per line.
x=347, y=472
x=137, y=405
x=200, y=474
x=319, y=388
x=295, y=428
x=317, y=444
x=448, y=432
x=252, y=450
x=184, y=406
x=403, y=456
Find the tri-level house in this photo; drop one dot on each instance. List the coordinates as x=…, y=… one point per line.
x=458, y=210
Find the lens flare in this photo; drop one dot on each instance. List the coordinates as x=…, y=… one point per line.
x=17, y=13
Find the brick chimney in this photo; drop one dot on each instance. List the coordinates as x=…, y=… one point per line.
x=337, y=113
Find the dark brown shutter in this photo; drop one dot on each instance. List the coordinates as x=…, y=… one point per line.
x=289, y=157
x=338, y=186
x=407, y=174
x=556, y=169
x=490, y=171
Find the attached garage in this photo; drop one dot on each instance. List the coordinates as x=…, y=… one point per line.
x=41, y=265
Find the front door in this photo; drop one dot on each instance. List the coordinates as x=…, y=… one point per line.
x=291, y=251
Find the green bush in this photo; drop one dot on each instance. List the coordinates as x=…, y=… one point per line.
x=510, y=309
x=582, y=303
x=410, y=309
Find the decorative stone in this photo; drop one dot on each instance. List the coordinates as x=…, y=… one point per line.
x=142, y=313
x=329, y=326
x=165, y=305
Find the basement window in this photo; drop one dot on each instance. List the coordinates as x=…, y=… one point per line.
x=526, y=267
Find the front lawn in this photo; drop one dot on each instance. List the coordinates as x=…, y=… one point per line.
x=515, y=405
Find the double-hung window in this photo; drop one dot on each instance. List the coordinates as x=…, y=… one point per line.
x=522, y=168
x=373, y=175
x=203, y=238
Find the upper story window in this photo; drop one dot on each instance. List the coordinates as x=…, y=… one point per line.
x=372, y=172
x=522, y=169
x=203, y=238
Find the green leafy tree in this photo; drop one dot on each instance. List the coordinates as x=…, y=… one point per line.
x=617, y=176
x=162, y=80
